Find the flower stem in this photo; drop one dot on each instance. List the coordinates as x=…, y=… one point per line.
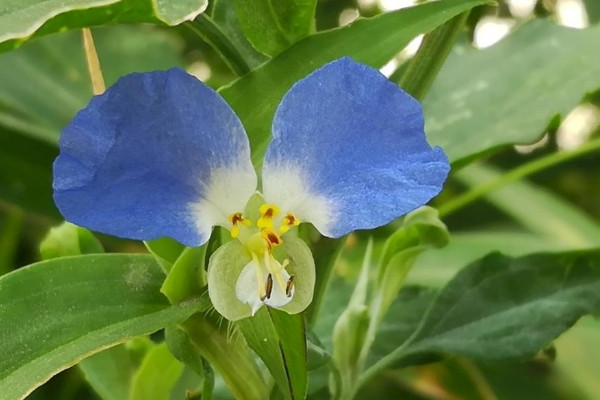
x=93, y=63
x=425, y=65
x=210, y=32
x=229, y=354
x=516, y=174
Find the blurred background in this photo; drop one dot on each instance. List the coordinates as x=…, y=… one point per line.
x=45, y=82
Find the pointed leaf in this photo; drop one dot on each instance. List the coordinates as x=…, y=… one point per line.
x=502, y=308
x=20, y=20
x=57, y=312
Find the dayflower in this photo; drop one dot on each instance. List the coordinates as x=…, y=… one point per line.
x=162, y=154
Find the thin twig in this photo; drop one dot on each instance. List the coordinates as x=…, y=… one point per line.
x=93, y=63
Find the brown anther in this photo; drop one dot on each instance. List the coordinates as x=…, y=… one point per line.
x=269, y=286
x=236, y=218
x=289, y=286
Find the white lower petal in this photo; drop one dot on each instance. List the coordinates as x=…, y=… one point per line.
x=246, y=288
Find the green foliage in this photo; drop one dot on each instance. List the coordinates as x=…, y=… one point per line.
x=156, y=376
x=21, y=19
x=110, y=372
x=69, y=240
x=428, y=308
x=79, y=306
x=279, y=339
x=372, y=41
x=273, y=26
x=460, y=115
x=500, y=308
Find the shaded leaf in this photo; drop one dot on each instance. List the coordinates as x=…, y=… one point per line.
x=110, y=371
x=536, y=209
x=279, y=339
x=502, y=308
x=69, y=240
x=157, y=375
x=272, y=26
x=472, y=108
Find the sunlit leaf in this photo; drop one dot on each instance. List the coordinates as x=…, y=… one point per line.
x=60, y=311
x=21, y=19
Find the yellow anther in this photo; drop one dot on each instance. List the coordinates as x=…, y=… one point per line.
x=267, y=213
x=288, y=222
x=236, y=219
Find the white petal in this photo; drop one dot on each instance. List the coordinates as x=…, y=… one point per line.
x=278, y=297
x=246, y=287
x=226, y=193
x=285, y=185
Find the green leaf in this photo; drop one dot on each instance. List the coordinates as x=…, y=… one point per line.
x=20, y=19
x=26, y=172
x=537, y=209
x=272, y=26
x=593, y=10
x=279, y=339
x=578, y=357
x=373, y=41
x=69, y=240
x=184, y=350
x=187, y=277
x=472, y=108
x=110, y=371
x=437, y=266
x=223, y=14
x=156, y=376
x=502, y=308
x=165, y=250
x=57, y=312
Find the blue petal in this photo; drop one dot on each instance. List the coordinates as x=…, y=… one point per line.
x=158, y=154
x=349, y=151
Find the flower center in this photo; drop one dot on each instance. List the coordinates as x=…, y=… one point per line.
x=275, y=286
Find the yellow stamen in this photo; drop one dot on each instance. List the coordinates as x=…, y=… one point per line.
x=236, y=219
x=288, y=222
x=267, y=213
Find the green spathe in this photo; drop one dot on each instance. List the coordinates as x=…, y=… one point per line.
x=227, y=263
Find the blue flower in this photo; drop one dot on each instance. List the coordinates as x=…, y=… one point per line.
x=161, y=154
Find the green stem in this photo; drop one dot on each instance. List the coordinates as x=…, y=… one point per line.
x=229, y=355
x=210, y=32
x=430, y=57
x=517, y=174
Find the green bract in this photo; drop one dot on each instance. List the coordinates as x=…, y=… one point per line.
x=228, y=261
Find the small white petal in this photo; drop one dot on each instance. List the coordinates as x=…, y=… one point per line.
x=226, y=193
x=285, y=185
x=246, y=287
x=278, y=297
